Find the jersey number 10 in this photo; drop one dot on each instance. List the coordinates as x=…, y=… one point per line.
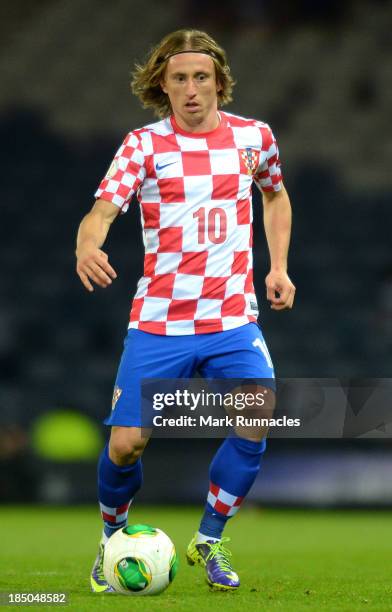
x=216, y=225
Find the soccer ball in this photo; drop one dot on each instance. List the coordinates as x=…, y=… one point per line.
x=140, y=560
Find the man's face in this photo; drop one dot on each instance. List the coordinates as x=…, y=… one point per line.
x=191, y=85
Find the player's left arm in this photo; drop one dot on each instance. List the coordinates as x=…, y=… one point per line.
x=277, y=225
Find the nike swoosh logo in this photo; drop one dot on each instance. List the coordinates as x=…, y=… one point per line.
x=158, y=167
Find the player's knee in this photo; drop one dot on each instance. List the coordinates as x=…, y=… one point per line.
x=126, y=446
x=253, y=422
x=125, y=453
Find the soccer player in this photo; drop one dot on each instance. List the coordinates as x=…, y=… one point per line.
x=195, y=307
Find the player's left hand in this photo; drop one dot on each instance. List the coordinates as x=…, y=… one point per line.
x=280, y=290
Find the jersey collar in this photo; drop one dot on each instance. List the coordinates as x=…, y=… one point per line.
x=178, y=130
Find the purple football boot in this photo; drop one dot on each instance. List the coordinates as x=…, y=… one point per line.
x=215, y=558
x=97, y=578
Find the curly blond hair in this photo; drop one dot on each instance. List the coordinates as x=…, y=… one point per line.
x=146, y=78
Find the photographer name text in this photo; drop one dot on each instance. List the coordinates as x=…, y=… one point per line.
x=226, y=421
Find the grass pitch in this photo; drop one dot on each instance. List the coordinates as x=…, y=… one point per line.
x=287, y=560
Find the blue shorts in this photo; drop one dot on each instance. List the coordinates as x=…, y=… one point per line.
x=235, y=353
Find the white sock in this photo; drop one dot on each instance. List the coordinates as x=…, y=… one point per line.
x=200, y=538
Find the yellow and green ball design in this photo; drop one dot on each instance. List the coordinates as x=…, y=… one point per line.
x=133, y=574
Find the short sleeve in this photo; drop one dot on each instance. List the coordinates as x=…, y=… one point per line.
x=125, y=175
x=268, y=175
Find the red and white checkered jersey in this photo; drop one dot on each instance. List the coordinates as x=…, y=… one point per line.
x=194, y=191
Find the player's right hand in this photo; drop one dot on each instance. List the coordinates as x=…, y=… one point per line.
x=93, y=266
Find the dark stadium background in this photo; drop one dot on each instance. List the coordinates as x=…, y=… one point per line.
x=319, y=73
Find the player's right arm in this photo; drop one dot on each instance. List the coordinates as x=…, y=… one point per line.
x=93, y=263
